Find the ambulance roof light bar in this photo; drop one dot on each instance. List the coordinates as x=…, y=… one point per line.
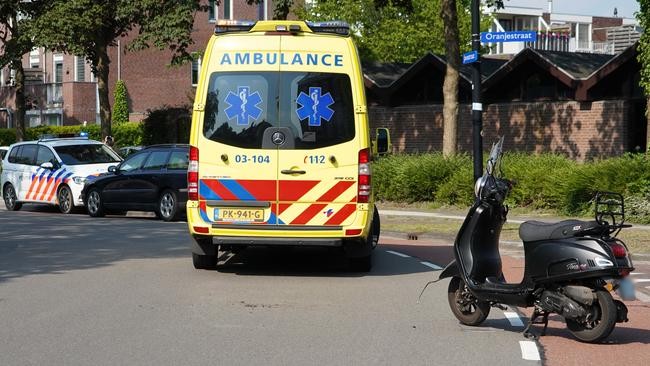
x=226, y=26
x=335, y=26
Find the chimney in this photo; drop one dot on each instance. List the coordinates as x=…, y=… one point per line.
x=550, y=6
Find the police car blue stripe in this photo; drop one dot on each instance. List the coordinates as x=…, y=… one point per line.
x=237, y=189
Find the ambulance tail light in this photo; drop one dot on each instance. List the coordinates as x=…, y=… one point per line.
x=363, y=183
x=193, y=175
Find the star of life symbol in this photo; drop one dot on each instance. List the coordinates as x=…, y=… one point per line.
x=243, y=105
x=315, y=106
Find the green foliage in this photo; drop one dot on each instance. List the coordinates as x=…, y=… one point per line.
x=120, y=104
x=7, y=136
x=543, y=181
x=643, y=16
x=127, y=134
x=167, y=125
x=396, y=31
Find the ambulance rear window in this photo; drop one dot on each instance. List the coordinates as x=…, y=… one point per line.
x=316, y=107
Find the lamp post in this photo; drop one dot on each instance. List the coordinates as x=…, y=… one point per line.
x=477, y=106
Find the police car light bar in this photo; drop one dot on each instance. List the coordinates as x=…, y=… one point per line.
x=334, y=26
x=225, y=26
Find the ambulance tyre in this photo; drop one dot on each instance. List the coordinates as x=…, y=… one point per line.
x=376, y=228
x=11, y=201
x=361, y=264
x=204, y=261
x=64, y=200
x=204, y=253
x=362, y=261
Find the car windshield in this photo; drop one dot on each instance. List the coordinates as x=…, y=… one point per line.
x=86, y=154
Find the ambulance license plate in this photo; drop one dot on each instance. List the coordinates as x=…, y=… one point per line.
x=239, y=214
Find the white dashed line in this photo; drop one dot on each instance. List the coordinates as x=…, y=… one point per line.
x=640, y=280
x=529, y=351
x=513, y=318
x=636, y=274
x=398, y=254
x=431, y=265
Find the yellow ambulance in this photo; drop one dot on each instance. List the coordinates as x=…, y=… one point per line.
x=280, y=146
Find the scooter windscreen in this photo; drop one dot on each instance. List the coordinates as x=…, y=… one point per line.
x=494, y=160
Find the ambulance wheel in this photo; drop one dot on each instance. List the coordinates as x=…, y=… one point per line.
x=167, y=208
x=204, y=261
x=94, y=204
x=361, y=264
x=64, y=199
x=376, y=228
x=11, y=201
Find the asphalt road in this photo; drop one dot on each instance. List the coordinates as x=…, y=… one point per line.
x=122, y=291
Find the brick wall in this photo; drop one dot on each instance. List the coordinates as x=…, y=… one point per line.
x=79, y=103
x=578, y=130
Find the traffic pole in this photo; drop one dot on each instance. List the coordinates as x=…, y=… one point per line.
x=477, y=106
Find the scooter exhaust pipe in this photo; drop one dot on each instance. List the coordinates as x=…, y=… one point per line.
x=555, y=302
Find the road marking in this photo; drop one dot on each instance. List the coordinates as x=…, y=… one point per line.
x=636, y=274
x=398, y=254
x=529, y=350
x=513, y=318
x=431, y=265
x=640, y=280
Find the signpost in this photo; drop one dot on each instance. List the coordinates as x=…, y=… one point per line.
x=469, y=57
x=517, y=36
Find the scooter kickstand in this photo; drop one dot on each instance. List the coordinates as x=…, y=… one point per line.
x=528, y=333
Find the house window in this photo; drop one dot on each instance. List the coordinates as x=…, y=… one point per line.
x=196, y=69
x=227, y=9
x=211, y=11
x=34, y=58
x=80, y=69
x=58, y=69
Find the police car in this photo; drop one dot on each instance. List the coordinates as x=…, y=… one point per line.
x=52, y=171
x=280, y=146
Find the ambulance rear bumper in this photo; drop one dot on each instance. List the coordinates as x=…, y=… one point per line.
x=318, y=242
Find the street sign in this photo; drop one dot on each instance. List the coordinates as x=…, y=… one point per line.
x=469, y=57
x=518, y=36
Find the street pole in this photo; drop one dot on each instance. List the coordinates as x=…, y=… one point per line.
x=477, y=106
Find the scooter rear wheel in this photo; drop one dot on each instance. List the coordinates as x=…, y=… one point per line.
x=601, y=322
x=467, y=308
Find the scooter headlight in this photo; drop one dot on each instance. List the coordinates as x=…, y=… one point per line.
x=478, y=186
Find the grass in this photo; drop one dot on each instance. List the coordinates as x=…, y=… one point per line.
x=637, y=239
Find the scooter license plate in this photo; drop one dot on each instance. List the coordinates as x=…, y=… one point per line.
x=626, y=289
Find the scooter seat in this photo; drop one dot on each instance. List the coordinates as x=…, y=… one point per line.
x=538, y=230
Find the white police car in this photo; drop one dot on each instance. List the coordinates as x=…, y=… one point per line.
x=52, y=171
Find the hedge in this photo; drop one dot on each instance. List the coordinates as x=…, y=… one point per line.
x=124, y=134
x=543, y=181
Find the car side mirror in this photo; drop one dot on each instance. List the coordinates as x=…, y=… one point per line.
x=47, y=165
x=113, y=169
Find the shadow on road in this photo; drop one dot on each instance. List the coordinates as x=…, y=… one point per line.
x=41, y=242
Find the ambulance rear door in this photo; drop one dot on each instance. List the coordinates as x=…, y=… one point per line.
x=317, y=139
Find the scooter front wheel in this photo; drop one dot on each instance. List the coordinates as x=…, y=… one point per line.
x=468, y=309
x=599, y=323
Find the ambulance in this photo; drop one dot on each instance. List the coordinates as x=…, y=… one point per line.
x=280, y=147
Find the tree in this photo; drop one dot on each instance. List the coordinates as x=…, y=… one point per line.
x=15, y=16
x=391, y=31
x=449, y=12
x=89, y=27
x=452, y=76
x=280, y=11
x=643, y=16
x=120, y=103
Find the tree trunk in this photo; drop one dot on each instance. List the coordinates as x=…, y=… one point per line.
x=102, y=85
x=450, y=86
x=647, y=124
x=19, y=120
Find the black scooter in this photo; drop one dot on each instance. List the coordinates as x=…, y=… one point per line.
x=570, y=266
